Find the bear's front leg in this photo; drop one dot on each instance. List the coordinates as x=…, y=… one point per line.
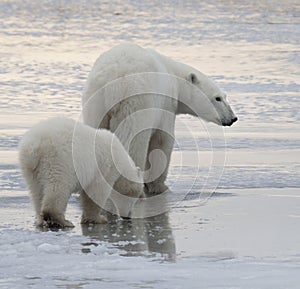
x=158, y=161
x=155, y=188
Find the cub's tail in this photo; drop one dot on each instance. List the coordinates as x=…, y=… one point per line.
x=29, y=157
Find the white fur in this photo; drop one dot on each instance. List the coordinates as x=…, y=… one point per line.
x=60, y=156
x=159, y=86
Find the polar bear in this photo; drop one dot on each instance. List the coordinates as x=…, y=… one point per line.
x=137, y=93
x=60, y=156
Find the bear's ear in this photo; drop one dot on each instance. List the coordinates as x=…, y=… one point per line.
x=192, y=77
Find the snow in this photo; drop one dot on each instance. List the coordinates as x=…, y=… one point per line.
x=67, y=264
x=234, y=207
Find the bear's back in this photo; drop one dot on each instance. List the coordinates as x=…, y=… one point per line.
x=120, y=61
x=55, y=131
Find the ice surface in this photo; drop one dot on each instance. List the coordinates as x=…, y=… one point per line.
x=245, y=234
x=233, y=241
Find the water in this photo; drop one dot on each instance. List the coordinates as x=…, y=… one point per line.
x=251, y=49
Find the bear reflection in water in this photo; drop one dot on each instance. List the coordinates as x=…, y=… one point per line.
x=135, y=237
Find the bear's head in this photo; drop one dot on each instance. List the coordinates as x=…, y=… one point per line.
x=202, y=97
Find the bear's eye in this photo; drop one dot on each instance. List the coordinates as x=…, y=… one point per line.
x=218, y=98
x=193, y=78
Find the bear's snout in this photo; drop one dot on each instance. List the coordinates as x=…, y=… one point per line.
x=233, y=120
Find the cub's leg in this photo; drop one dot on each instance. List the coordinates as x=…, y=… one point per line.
x=36, y=195
x=91, y=212
x=54, y=204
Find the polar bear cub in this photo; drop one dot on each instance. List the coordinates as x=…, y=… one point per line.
x=60, y=156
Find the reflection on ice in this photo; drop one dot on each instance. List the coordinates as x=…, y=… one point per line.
x=137, y=237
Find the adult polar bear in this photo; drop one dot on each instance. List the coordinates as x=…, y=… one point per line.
x=137, y=93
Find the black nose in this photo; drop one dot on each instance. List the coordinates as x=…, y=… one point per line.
x=234, y=119
x=230, y=123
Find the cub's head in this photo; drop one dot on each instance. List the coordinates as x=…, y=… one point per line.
x=202, y=97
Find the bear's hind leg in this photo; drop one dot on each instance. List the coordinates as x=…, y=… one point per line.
x=54, y=204
x=36, y=195
x=91, y=212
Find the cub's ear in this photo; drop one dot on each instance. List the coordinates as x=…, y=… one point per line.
x=192, y=77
